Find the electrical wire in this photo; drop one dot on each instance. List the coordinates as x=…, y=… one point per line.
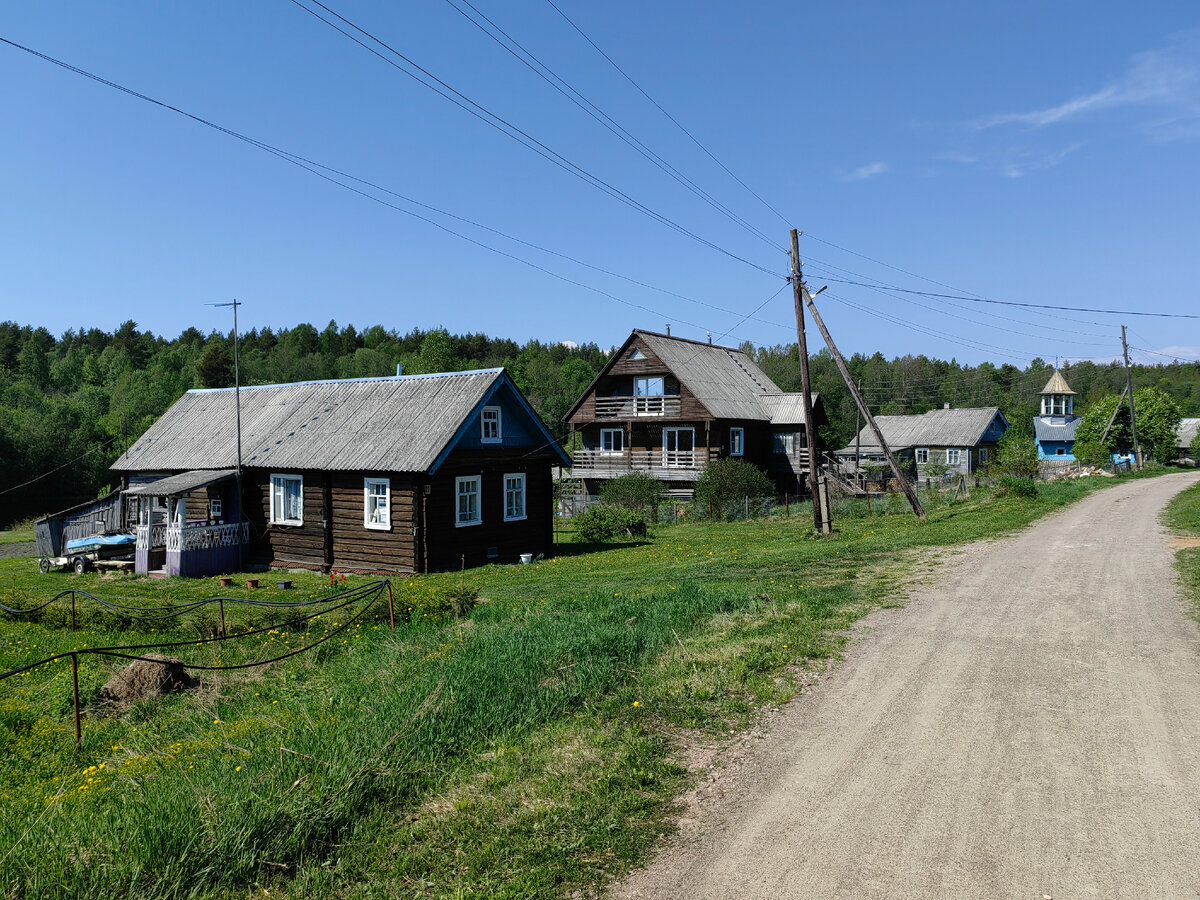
x=539, y=68
x=451, y=94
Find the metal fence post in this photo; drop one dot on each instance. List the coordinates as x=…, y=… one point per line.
x=72, y=609
x=391, y=608
x=221, y=606
x=75, y=684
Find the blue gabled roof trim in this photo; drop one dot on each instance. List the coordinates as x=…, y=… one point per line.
x=504, y=379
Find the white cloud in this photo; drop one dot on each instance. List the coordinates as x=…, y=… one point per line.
x=1166, y=80
x=862, y=173
x=1012, y=161
x=1181, y=353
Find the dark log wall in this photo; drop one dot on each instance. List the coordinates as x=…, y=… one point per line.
x=358, y=548
x=287, y=545
x=493, y=540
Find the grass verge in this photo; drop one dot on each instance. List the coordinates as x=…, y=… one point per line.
x=531, y=749
x=1183, y=515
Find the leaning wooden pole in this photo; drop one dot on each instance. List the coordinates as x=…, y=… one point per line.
x=820, y=521
x=862, y=407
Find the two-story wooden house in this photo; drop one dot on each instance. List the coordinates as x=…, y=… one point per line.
x=667, y=406
x=408, y=474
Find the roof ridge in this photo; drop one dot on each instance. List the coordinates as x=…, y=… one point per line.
x=369, y=379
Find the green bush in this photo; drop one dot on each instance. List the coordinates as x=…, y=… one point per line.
x=729, y=481
x=600, y=523
x=1015, y=486
x=635, y=491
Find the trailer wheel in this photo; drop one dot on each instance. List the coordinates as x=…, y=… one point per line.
x=80, y=565
x=43, y=565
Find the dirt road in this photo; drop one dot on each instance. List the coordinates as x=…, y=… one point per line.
x=1027, y=726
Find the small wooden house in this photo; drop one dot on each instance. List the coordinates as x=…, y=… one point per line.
x=668, y=406
x=407, y=474
x=954, y=441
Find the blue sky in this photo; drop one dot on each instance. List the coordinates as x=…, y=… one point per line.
x=1030, y=152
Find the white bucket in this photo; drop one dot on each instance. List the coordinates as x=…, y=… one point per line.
x=526, y=558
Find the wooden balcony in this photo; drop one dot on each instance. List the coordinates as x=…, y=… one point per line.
x=638, y=407
x=665, y=465
x=796, y=461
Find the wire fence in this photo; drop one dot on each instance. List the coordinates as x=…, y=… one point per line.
x=366, y=595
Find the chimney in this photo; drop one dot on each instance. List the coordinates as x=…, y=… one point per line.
x=399, y=369
x=710, y=337
x=668, y=329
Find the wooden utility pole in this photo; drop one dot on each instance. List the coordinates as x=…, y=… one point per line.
x=820, y=519
x=1113, y=417
x=862, y=406
x=1137, y=450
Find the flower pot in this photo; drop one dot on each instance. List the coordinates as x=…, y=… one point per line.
x=226, y=582
x=252, y=583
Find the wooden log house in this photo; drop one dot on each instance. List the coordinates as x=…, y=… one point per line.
x=668, y=406
x=407, y=474
x=945, y=441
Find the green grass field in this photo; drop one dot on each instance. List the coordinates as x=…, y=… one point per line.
x=528, y=749
x=1183, y=515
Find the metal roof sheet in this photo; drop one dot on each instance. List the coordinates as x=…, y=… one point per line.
x=785, y=409
x=936, y=428
x=394, y=424
x=1186, y=433
x=180, y=484
x=1057, y=384
x=1055, y=428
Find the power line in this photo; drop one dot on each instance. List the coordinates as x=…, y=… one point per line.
x=462, y=101
x=327, y=174
x=674, y=121
x=552, y=78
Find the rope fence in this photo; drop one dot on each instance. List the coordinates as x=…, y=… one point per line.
x=370, y=593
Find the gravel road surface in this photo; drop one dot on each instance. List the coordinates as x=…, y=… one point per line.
x=1028, y=725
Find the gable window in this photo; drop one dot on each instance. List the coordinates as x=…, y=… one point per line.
x=637, y=353
x=737, y=441
x=377, y=504
x=652, y=386
x=922, y=455
x=953, y=456
x=514, y=497
x=612, y=440
x=784, y=442
x=287, y=499
x=466, y=487
x=491, y=425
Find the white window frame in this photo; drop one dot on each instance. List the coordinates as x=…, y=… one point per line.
x=673, y=459
x=615, y=446
x=921, y=454
x=737, y=441
x=215, y=507
x=279, y=484
x=490, y=416
x=514, y=483
x=459, y=494
x=643, y=385
x=385, y=508
x=953, y=456
x=783, y=443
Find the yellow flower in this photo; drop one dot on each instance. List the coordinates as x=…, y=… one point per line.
x=238, y=769
x=637, y=702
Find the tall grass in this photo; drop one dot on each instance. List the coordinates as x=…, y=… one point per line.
x=527, y=750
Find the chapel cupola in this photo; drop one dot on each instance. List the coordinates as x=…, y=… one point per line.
x=1057, y=397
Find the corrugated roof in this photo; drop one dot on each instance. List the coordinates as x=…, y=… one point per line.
x=936, y=428
x=727, y=381
x=1057, y=384
x=1055, y=428
x=368, y=424
x=180, y=484
x=1186, y=433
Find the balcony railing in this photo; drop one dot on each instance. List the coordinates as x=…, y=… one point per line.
x=206, y=537
x=151, y=537
x=664, y=464
x=634, y=407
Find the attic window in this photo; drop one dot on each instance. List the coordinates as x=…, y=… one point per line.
x=637, y=353
x=491, y=425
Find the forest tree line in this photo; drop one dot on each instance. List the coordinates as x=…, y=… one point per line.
x=70, y=404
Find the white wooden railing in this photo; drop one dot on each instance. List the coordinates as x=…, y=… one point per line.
x=205, y=537
x=640, y=460
x=151, y=536
x=631, y=407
